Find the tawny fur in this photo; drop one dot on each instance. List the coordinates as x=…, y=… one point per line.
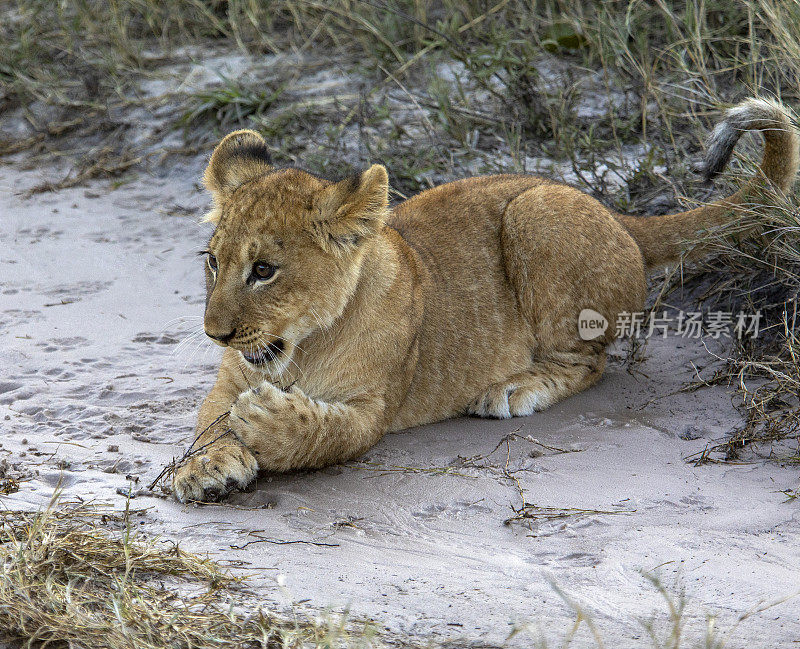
x=463, y=299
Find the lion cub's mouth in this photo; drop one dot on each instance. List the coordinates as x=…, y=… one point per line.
x=264, y=355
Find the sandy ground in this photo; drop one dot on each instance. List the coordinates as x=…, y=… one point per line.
x=100, y=292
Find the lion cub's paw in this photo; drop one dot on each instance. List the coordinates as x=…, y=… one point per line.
x=210, y=476
x=261, y=409
x=504, y=400
x=493, y=403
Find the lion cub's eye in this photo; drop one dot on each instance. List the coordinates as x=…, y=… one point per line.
x=212, y=262
x=263, y=271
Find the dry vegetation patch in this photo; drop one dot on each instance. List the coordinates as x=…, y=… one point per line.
x=755, y=268
x=85, y=577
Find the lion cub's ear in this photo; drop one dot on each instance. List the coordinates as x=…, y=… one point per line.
x=239, y=158
x=347, y=212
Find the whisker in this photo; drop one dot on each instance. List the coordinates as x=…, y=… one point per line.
x=193, y=348
x=179, y=321
x=240, y=362
x=296, y=346
x=188, y=338
x=322, y=327
x=186, y=342
x=285, y=364
x=196, y=331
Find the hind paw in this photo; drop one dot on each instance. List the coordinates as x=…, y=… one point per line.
x=505, y=400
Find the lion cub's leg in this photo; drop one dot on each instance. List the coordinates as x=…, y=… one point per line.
x=287, y=429
x=563, y=252
x=547, y=382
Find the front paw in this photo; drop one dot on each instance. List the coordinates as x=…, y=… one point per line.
x=258, y=411
x=273, y=424
x=213, y=474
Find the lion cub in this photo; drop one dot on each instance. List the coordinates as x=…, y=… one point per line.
x=343, y=319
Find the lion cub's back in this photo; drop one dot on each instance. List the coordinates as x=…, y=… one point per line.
x=471, y=205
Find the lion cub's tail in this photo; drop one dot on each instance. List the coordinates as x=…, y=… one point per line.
x=662, y=239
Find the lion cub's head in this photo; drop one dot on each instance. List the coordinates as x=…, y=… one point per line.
x=287, y=249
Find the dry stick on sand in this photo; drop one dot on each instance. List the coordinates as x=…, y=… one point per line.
x=470, y=462
x=261, y=539
x=531, y=511
x=386, y=469
x=771, y=413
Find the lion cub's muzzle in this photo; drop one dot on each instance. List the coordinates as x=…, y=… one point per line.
x=264, y=355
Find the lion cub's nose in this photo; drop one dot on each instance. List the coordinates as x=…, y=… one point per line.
x=221, y=338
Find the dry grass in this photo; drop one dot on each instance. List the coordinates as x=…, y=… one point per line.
x=768, y=384
x=8, y=486
x=164, y=479
x=85, y=578
x=755, y=267
x=668, y=628
x=531, y=514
